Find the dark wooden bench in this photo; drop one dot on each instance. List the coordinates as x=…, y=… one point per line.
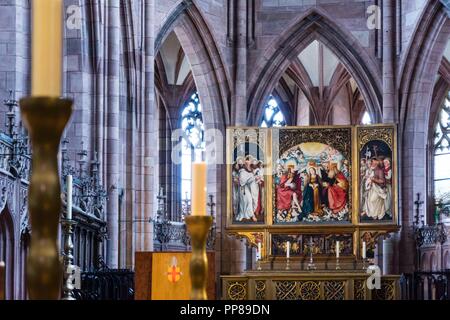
x=2, y=281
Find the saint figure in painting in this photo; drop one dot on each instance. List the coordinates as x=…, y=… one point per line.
x=388, y=177
x=337, y=189
x=376, y=194
x=289, y=191
x=250, y=184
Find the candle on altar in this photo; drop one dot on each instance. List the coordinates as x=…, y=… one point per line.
x=258, y=254
x=47, y=48
x=337, y=249
x=198, y=202
x=364, y=250
x=288, y=250
x=69, y=197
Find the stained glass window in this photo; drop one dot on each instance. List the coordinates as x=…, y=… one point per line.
x=193, y=143
x=366, y=119
x=272, y=117
x=442, y=152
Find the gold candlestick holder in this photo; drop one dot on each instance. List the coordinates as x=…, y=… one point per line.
x=198, y=227
x=45, y=119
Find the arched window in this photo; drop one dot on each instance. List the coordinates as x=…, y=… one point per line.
x=366, y=119
x=442, y=152
x=272, y=116
x=193, y=143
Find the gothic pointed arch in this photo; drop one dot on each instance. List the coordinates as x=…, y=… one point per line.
x=315, y=25
x=7, y=248
x=199, y=45
x=416, y=81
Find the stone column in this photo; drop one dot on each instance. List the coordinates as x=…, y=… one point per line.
x=240, y=88
x=150, y=127
x=112, y=129
x=389, y=52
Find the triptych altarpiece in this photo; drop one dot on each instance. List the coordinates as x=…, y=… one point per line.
x=312, y=184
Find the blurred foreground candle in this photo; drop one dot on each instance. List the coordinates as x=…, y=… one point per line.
x=288, y=250
x=198, y=202
x=337, y=249
x=69, y=197
x=47, y=48
x=364, y=249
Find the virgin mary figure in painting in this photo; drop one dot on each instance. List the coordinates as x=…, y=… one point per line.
x=375, y=201
x=311, y=194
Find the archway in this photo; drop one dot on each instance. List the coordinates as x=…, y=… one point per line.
x=314, y=25
x=7, y=250
x=416, y=83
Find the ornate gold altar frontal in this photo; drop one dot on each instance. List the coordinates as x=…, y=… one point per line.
x=307, y=286
x=313, y=185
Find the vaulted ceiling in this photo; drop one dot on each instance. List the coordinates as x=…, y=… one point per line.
x=175, y=64
x=317, y=80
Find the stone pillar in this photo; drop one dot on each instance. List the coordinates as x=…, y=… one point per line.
x=389, y=256
x=240, y=88
x=389, y=52
x=150, y=128
x=112, y=111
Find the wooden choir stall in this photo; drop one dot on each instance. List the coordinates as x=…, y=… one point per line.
x=2, y=281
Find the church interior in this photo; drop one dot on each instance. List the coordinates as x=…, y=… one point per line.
x=225, y=149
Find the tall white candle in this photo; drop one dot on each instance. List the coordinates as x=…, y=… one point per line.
x=47, y=47
x=69, y=197
x=337, y=249
x=288, y=250
x=364, y=250
x=258, y=254
x=198, y=200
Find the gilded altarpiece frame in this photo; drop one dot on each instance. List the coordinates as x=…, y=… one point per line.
x=346, y=145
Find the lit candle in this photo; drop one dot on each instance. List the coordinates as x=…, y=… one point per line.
x=288, y=250
x=47, y=48
x=258, y=254
x=337, y=249
x=198, y=202
x=69, y=197
x=364, y=249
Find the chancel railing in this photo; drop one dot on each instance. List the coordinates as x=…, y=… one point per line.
x=106, y=284
x=425, y=286
x=171, y=235
x=88, y=208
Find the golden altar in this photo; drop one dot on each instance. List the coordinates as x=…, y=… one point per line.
x=327, y=193
x=308, y=285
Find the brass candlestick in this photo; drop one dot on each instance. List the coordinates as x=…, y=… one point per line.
x=45, y=119
x=198, y=227
x=69, y=268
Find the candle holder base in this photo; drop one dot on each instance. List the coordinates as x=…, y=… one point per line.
x=198, y=227
x=45, y=119
x=258, y=265
x=288, y=264
x=338, y=266
x=364, y=266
